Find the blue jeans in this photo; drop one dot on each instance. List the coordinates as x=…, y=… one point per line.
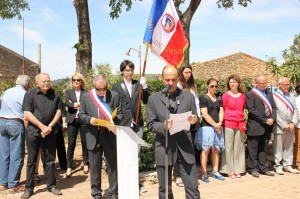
x=11, y=152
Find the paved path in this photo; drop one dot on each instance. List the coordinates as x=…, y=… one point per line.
x=278, y=187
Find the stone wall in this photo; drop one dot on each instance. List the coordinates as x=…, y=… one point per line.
x=11, y=65
x=240, y=63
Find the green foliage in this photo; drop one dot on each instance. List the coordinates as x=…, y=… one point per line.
x=229, y=3
x=274, y=67
x=61, y=87
x=147, y=155
x=116, y=7
x=12, y=8
x=291, y=66
x=6, y=85
x=104, y=69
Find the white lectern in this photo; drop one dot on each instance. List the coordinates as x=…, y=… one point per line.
x=128, y=167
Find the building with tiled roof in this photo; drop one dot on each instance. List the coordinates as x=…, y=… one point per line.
x=240, y=63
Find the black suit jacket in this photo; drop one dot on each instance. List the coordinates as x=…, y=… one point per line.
x=88, y=110
x=70, y=100
x=182, y=140
x=257, y=119
x=130, y=104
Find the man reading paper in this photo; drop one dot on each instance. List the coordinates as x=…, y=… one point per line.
x=180, y=146
x=99, y=103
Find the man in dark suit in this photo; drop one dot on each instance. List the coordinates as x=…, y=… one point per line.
x=99, y=103
x=180, y=146
x=129, y=91
x=261, y=117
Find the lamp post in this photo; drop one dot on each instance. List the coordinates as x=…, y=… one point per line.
x=139, y=54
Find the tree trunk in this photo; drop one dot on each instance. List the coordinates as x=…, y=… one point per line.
x=84, y=45
x=186, y=19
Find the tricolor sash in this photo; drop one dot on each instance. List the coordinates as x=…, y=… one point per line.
x=263, y=98
x=102, y=106
x=284, y=100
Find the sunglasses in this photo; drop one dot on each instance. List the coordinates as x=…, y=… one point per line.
x=213, y=86
x=76, y=80
x=101, y=89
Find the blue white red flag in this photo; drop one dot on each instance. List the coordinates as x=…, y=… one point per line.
x=164, y=33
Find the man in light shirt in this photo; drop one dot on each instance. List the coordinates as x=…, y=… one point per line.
x=12, y=135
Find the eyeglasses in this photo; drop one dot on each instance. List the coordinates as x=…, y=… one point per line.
x=101, y=89
x=213, y=86
x=76, y=80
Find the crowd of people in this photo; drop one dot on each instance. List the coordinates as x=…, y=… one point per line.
x=236, y=125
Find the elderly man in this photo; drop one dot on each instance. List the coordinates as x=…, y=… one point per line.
x=130, y=91
x=262, y=115
x=99, y=103
x=287, y=119
x=42, y=108
x=12, y=135
x=180, y=146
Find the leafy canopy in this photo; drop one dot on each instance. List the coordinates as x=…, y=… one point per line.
x=12, y=8
x=116, y=5
x=291, y=66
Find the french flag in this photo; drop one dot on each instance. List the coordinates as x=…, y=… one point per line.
x=164, y=33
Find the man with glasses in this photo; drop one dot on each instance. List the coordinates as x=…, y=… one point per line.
x=284, y=131
x=261, y=117
x=99, y=103
x=130, y=91
x=42, y=108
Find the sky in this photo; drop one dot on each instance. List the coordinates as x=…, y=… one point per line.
x=263, y=30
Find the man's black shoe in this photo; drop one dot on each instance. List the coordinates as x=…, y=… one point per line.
x=268, y=173
x=255, y=174
x=27, y=194
x=55, y=190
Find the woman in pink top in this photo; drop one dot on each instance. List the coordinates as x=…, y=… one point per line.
x=234, y=101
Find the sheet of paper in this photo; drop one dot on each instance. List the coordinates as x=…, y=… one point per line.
x=180, y=122
x=102, y=123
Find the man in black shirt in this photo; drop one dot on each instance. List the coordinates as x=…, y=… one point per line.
x=42, y=108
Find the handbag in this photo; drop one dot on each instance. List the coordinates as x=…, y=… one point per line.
x=242, y=127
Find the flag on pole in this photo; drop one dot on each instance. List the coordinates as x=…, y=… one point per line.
x=164, y=33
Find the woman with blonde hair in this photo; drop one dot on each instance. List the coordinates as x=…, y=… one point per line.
x=73, y=98
x=234, y=102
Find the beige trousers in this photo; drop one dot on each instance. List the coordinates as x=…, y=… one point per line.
x=233, y=157
x=283, y=149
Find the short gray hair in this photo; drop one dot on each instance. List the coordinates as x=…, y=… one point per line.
x=257, y=78
x=22, y=80
x=99, y=77
x=280, y=80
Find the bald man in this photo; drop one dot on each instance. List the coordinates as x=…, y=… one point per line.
x=180, y=144
x=42, y=108
x=99, y=103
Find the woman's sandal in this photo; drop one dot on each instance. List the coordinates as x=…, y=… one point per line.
x=237, y=175
x=231, y=176
x=179, y=182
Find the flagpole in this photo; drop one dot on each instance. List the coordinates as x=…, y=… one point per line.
x=141, y=89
